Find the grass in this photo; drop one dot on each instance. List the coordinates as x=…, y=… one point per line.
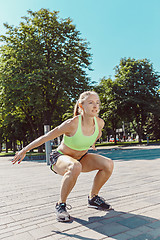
x=126, y=143
x=119, y=143
x=4, y=154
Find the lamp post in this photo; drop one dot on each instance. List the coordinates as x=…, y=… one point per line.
x=48, y=148
x=124, y=134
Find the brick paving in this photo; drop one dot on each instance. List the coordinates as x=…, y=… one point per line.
x=29, y=191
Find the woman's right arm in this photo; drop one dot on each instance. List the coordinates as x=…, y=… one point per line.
x=56, y=132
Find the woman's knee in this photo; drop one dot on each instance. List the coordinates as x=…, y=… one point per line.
x=75, y=168
x=109, y=165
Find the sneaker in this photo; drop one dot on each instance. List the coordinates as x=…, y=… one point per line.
x=62, y=214
x=98, y=203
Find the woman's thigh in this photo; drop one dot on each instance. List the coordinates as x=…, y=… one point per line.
x=91, y=162
x=63, y=163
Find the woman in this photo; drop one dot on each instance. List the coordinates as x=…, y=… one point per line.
x=72, y=157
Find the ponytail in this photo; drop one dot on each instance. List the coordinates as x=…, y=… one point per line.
x=76, y=109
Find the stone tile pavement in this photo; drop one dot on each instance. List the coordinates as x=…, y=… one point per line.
x=29, y=191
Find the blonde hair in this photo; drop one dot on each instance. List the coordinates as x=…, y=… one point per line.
x=82, y=98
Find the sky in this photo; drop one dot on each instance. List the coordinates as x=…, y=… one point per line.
x=114, y=28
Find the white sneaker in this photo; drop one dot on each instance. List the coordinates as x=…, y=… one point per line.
x=62, y=214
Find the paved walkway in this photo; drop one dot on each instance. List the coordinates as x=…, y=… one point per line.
x=29, y=191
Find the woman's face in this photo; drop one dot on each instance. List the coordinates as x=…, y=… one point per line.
x=91, y=105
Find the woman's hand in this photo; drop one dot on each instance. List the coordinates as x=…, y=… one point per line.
x=94, y=148
x=19, y=156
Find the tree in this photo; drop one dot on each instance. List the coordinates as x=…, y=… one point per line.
x=1, y=133
x=137, y=91
x=109, y=104
x=43, y=67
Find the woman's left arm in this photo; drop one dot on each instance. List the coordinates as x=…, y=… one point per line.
x=100, y=125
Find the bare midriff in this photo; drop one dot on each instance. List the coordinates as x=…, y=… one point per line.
x=70, y=152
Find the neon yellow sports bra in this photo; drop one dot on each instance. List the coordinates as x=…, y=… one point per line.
x=79, y=141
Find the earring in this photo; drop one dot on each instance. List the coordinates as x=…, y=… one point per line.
x=80, y=105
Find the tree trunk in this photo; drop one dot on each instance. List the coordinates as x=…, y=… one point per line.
x=140, y=137
x=139, y=131
x=10, y=145
x=40, y=149
x=114, y=126
x=14, y=146
x=115, y=140
x=40, y=133
x=6, y=146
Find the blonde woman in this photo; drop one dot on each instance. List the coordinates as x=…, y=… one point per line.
x=72, y=157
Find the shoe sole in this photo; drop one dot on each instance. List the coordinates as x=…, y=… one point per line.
x=65, y=220
x=100, y=208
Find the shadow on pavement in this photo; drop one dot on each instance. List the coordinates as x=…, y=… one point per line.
x=118, y=225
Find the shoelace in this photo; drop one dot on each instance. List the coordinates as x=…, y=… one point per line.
x=63, y=207
x=69, y=207
x=99, y=200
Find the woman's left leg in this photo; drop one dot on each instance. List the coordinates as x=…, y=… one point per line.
x=91, y=162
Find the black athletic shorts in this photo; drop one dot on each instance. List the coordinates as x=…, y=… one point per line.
x=54, y=155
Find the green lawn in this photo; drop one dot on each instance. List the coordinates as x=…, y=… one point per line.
x=4, y=154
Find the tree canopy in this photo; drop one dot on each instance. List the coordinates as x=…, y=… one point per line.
x=43, y=68
x=138, y=91
x=43, y=64
x=133, y=96
x=109, y=104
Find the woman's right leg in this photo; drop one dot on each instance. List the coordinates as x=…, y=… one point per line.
x=70, y=169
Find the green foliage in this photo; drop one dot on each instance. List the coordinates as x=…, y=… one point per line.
x=42, y=68
x=152, y=127
x=132, y=97
x=138, y=91
x=109, y=105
